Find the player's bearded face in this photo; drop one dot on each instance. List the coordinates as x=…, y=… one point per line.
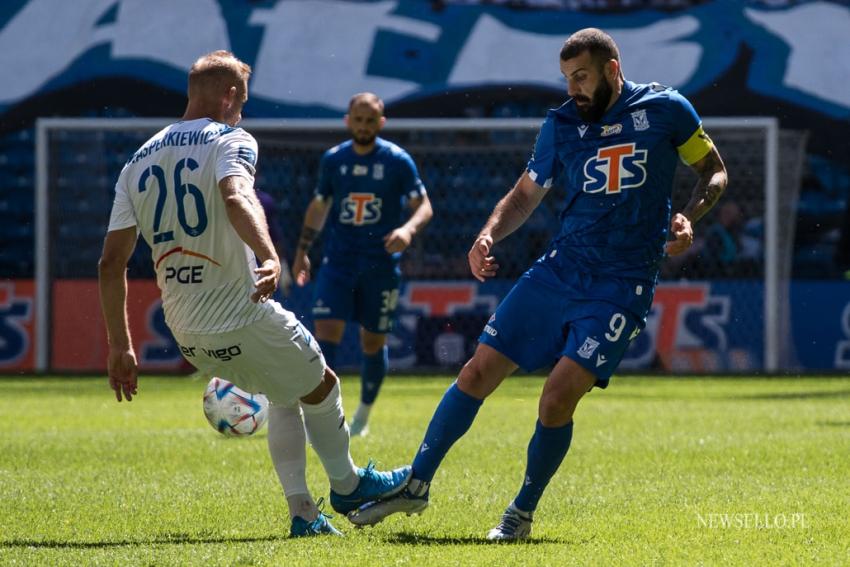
x=364, y=123
x=588, y=86
x=364, y=138
x=593, y=107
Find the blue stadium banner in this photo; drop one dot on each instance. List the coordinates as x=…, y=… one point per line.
x=406, y=49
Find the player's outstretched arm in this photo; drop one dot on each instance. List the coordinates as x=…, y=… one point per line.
x=422, y=213
x=709, y=187
x=246, y=215
x=509, y=214
x=112, y=282
x=314, y=220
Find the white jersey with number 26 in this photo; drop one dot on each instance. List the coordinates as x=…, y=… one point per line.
x=169, y=191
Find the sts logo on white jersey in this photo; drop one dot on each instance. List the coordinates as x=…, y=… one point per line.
x=615, y=168
x=359, y=209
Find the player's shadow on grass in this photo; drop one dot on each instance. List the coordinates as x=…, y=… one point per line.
x=176, y=539
x=404, y=538
x=812, y=395
x=833, y=423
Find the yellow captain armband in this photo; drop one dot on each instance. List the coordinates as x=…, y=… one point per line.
x=696, y=148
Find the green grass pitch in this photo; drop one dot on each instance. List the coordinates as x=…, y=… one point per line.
x=661, y=471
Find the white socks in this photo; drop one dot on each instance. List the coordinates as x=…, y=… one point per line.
x=362, y=413
x=287, y=445
x=418, y=488
x=328, y=434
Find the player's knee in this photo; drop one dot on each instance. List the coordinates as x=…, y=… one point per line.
x=556, y=411
x=475, y=380
x=557, y=404
x=329, y=330
x=320, y=393
x=372, y=343
x=329, y=380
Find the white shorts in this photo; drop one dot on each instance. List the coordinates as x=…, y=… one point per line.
x=276, y=356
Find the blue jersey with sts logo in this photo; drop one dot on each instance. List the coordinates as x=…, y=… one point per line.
x=618, y=175
x=369, y=194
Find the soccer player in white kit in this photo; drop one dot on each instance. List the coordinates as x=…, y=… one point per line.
x=189, y=190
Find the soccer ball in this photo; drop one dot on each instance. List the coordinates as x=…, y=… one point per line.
x=232, y=411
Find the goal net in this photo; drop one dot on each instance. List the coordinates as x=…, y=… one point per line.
x=721, y=308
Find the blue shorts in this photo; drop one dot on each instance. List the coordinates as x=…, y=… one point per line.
x=368, y=295
x=536, y=325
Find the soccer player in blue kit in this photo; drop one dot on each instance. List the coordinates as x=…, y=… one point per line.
x=364, y=185
x=615, y=144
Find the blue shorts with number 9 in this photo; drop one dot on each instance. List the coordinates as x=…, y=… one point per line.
x=367, y=294
x=536, y=325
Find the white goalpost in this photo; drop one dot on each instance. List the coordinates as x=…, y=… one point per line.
x=759, y=137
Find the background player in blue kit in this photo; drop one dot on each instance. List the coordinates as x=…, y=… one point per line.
x=364, y=185
x=615, y=144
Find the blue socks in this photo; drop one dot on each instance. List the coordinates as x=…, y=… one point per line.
x=372, y=375
x=329, y=352
x=450, y=422
x=546, y=451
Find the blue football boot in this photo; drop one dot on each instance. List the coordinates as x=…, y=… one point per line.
x=320, y=526
x=373, y=486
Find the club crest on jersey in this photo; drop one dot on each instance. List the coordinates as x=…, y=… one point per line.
x=359, y=209
x=378, y=171
x=615, y=168
x=639, y=120
x=587, y=348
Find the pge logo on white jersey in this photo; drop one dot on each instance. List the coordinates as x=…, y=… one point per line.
x=615, y=168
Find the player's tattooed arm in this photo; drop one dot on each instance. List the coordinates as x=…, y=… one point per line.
x=308, y=236
x=314, y=221
x=710, y=185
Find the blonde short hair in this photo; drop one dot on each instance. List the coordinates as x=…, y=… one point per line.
x=218, y=70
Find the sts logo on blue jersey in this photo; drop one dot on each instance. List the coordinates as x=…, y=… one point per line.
x=359, y=209
x=615, y=168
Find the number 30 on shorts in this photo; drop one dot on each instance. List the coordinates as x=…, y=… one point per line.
x=389, y=300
